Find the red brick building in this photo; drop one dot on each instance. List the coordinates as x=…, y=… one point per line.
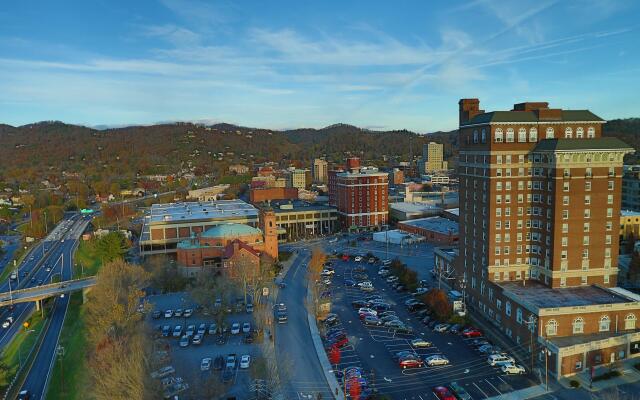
x=539, y=216
x=434, y=229
x=360, y=195
x=259, y=195
x=222, y=246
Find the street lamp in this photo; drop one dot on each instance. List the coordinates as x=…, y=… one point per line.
x=546, y=353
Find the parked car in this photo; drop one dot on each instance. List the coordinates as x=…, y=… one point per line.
x=191, y=330
x=177, y=331
x=246, y=327
x=371, y=320
x=202, y=329
x=166, y=330
x=205, y=364
x=410, y=362
x=471, y=332
x=184, y=341
x=350, y=283
x=394, y=323
x=441, y=327
x=437, y=359
x=188, y=312
x=419, y=291
x=392, y=279
x=513, y=369
x=404, y=354
x=357, y=259
x=500, y=360
x=168, y=313
x=459, y=392
x=248, y=338
x=156, y=314
x=249, y=308
x=235, y=328
x=231, y=361
x=455, y=328
x=218, y=363
x=197, y=339
x=245, y=360
x=358, y=304
x=443, y=393
x=386, y=313
x=178, y=313
x=213, y=328
x=367, y=310
x=420, y=343
x=403, y=329
x=330, y=319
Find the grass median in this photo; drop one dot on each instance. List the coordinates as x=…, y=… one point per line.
x=16, y=352
x=69, y=377
x=87, y=262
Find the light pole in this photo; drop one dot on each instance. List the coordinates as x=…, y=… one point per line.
x=546, y=353
x=531, y=324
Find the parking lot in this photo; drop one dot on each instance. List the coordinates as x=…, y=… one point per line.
x=187, y=360
x=372, y=347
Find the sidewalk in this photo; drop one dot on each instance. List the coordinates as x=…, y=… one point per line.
x=629, y=375
x=533, y=391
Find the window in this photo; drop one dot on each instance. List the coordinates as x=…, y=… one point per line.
x=519, y=315
x=605, y=323
x=588, y=173
x=607, y=239
x=587, y=213
x=510, y=135
x=522, y=135
x=565, y=186
x=565, y=242
x=585, y=240
x=565, y=200
x=498, y=159
x=565, y=214
x=586, y=227
x=578, y=325
x=587, y=186
x=484, y=136
x=552, y=327
x=507, y=310
x=587, y=199
x=533, y=135
x=568, y=133
x=549, y=133
x=585, y=254
x=610, y=185
x=591, y=132
x=580, y=133
x=498, y=135
x=609, y=212
x=565, y=228
x=630, y=321
x=610, y=199
x=475, y=136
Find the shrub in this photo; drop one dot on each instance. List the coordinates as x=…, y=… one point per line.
x=574, y=384
x=607, y=375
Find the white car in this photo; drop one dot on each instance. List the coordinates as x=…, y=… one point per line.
x=436, y=360
x=365, y=284
x=357, y=259
x=7, y=322
x=392, y=279
x=205, y=364
x=368, y=311
x=168, y=314
x=420, y=343
x=235, y=328
x=327, y=272
x=500, y=360
x=513, y=369
x=245, y=360
x=246, y=327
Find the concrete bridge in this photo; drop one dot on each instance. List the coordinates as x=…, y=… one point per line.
x=38, y=293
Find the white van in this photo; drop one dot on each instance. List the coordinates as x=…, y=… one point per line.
x=500, y=359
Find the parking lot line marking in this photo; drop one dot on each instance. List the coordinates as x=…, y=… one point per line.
x=495, y=388
x=481, y=391
x=505, y=382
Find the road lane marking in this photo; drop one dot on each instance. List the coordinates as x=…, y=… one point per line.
x=481, y=391
x=495, y=388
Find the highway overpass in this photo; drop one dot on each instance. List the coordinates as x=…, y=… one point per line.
x=38, y=293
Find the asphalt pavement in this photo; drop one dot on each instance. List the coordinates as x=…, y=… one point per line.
x=294, y=346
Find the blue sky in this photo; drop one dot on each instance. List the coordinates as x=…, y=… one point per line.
x=284, y=64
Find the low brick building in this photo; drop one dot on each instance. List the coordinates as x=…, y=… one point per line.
x=434, y=229
x=260, y=195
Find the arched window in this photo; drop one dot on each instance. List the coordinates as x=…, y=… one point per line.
x=510, y=135
x=522, y=135
x=630, y=321
x=507, y=308
x=475, y=136
x=549, y=133
x=519, y=315
x=579, y=133
x=552, y=327
x=483, y=136
x=578, y=325
x=533, y=134
x=499, y=135
x=605, y=323
x=591, y=132
x=568, y=133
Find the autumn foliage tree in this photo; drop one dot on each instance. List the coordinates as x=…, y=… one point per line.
x=437, y=301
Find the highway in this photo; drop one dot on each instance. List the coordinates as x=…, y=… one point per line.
x=38, y=377
x=45, y=255
x=44, y=291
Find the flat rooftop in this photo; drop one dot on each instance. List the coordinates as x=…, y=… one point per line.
x=542, y=296
x=204, y=210
x=435, y=224
x=298, y=206
x=409, y=207
x=629, y=213
x=568, y=341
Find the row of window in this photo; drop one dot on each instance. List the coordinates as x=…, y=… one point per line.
x=509, y=135
x=604, y=325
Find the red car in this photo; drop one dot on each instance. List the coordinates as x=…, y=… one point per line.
x=410, y=363
x=339, y=341
x=345, y=257
x=362, y=315
x=471, y=333
x=443, y=393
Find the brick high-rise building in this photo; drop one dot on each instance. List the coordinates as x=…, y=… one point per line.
x=539, y=216
x=361, y=196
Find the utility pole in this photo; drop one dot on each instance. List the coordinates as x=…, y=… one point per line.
x=531, y=324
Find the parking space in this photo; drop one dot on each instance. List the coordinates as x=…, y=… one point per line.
x=218, y=342
x=375, y=348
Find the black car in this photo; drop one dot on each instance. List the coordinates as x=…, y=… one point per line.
x=156, y=314
x=422, y=313
x=330, y=319
x=248, y=338
x=416, y=306
x=456, y=328
x=400, y=288
x=218, y=363
x=426, y=320
x=381, y=307
x=24, y=395
x=403, y=329
x=350, y=283
x=358, y=304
